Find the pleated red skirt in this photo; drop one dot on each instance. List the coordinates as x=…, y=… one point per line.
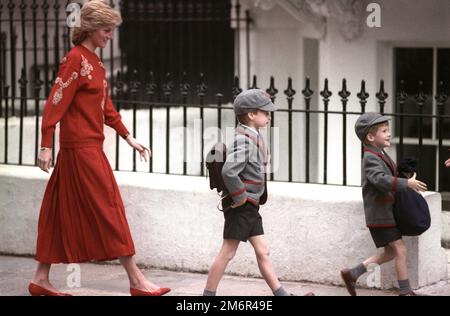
x=82, y=216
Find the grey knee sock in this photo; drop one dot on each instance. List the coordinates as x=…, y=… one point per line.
x=357, y=271
x=209, y=293
x=405, y=288
x=280, y=292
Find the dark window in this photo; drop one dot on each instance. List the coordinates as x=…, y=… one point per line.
x=2, y=57
x=444, y=172
x=413, y=65
x=426, y=169
x=443, y=74
x=179, y=36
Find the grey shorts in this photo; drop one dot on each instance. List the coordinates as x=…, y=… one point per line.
x=242, y=222
x=383, y=236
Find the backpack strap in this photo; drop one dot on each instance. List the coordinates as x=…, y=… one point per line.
x=221, y=203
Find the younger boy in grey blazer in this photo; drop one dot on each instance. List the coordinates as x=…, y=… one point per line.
x=379, y=183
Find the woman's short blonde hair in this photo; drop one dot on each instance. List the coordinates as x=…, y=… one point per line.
x=94, y=15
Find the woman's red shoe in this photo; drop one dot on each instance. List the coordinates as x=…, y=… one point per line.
x=36, y=290
x=159, y=292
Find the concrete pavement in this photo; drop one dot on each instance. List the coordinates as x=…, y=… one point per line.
x=111, y=280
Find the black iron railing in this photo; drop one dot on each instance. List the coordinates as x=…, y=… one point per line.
x=24, y=88
x=176, y=95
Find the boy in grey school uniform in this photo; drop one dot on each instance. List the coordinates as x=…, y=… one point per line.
x=244, y=175
x=379, y=183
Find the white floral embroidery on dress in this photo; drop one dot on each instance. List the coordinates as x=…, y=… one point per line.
x=105, y=85
x=101, y=64
x=62, y=85
x=86, y=68
x=63, y=60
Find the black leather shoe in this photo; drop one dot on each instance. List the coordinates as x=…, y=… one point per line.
x=349, y=282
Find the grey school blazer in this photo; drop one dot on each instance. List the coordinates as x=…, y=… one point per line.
x=379, y=183
x=244, y=170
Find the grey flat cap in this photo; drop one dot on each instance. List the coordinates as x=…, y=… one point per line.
x=366, y=121
x=251, y=100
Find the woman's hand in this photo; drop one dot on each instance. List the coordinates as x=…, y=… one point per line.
x=447, y=163
x=45, y=159
x=144, y=152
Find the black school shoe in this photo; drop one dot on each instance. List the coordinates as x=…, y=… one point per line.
x=349, y=282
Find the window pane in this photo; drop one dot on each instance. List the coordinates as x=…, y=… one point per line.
x=413, y=65
x=426, y=168
x=178, y=36
x=444, y=173
x=443, y=74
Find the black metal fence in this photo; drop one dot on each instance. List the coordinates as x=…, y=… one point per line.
x=33, y=34
x=176, y=95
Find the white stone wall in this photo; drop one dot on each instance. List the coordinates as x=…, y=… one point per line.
x=313, y=231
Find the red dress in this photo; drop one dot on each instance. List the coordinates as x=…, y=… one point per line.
x=82, y=216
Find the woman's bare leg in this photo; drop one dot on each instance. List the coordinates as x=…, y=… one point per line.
x=41, y=277
x=135, y=275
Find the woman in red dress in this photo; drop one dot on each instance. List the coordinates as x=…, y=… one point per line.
x=82, y=216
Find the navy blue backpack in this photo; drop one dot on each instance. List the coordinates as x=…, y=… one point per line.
x=411, y=211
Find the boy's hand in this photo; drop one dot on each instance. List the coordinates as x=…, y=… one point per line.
x=416, y=185
x=237, y=204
